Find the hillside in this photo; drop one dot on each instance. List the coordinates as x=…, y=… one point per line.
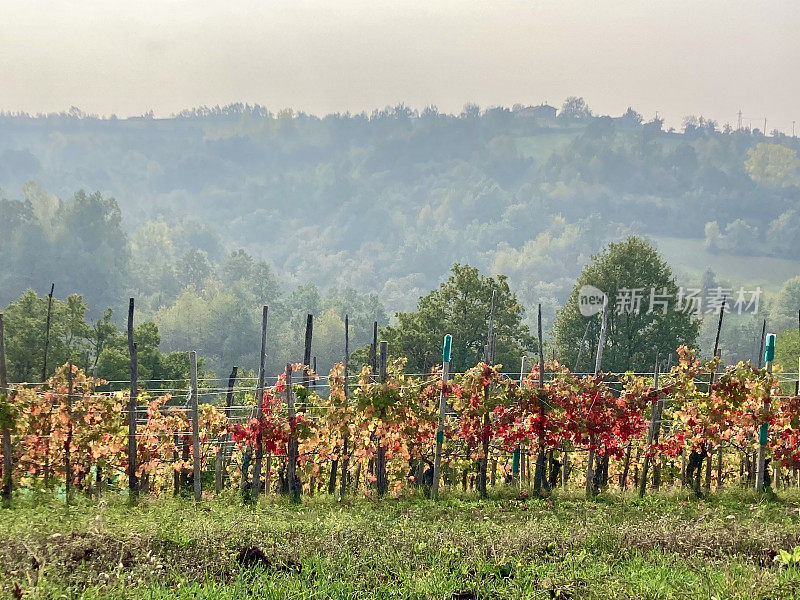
x=383, y=203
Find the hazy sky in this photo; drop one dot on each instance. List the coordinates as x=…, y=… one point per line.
x=677, y=57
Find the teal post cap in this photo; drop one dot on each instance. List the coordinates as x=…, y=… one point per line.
x=769, y=348
x=763, y=434
x=446, y=348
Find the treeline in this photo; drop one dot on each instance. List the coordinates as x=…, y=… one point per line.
x=218, y=315
x=221, y=326
x=211, y=308
x=380, y=203
x=36, y=346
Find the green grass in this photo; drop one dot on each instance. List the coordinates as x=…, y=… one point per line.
x=691, y=257
x=540, y=147
x=669, y=545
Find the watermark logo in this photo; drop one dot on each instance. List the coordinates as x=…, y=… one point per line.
x=590, y=300
x=693, y=301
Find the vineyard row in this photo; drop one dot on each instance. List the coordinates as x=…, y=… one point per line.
x=385, y=431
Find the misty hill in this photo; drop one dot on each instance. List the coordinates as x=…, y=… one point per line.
x=383, y=203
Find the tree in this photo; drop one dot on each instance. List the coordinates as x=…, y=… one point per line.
x=460, y=306
x=575, y=109
x=100, y=335
x=43, y=204
x=773, y=165
x=739, y=238
x=787, y=349
x=73, y=339
x=90, y=246
x=236, y=267
x=632, y=117
x=783, y=236
x=626, y=272
x=194, y=268
x=25, y=326
x=114, y=361
x=783, y=310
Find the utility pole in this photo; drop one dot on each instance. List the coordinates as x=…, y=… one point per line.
x=739, y=127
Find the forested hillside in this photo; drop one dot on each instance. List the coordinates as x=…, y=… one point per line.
x=206, y=215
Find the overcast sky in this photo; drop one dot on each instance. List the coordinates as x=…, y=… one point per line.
x=677, y=57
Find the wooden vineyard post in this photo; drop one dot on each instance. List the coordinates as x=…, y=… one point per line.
x=709, y=448
x=657, y=465
x=68, y=440
x=590, y=487
x=716, y=343
x=255, y=488
x=184, y=481
x=47, y=331
x=196, y=471
x=334, y=474
x=221, y=460
x=539, y=476
x=541, y=348
x=437, y=457
x=652, y=434
x=5, y=399
x=483, y=459
x=306, y=367
x=626, y=464
x=291, y=467
x=133, y=484
x=345, y=456
x=307, y=348
x=373, y=350
x=98, y=469
x=719, y=449
x=46, y=433
x=518, y=450
x=380, y=463
x=763, y=431
x=384, y=354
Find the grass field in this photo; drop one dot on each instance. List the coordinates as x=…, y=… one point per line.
x=665, y=546
x=540, y=147
x=691, y=257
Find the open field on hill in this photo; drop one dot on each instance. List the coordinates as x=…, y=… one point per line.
x=669, y=545
x=690, y=256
